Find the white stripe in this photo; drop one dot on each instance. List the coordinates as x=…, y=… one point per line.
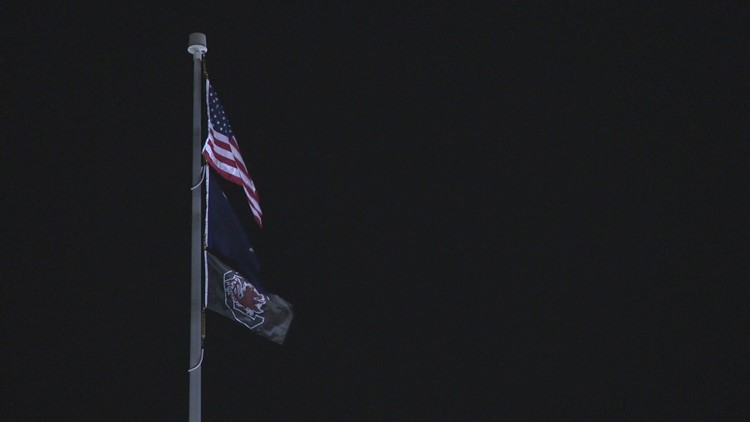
x=237, y=153
x=217, y=142
x=216, y=134
x=253, y=202
x=247, y=184
x=214, y=151
x=222, y=166
x=233, y=153
x=221, y=137
x=222, y=151
x=218, y=150
x=234, y=150
x=247, y=181
x=256, y=214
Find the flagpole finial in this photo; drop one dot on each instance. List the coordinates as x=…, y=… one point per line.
x=197, y=45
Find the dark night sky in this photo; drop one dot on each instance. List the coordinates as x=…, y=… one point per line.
x=517, y=211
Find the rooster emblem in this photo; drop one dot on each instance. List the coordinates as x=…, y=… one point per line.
x=243, y=299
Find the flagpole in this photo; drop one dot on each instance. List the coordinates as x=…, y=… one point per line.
x=196, y=47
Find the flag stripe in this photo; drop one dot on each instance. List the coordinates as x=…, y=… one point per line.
x=230, y=151
x=231, y=173
x=227, y=160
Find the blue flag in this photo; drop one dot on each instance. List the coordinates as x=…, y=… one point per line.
x=233, y=284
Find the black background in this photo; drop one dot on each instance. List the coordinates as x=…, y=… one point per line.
x=479, y=212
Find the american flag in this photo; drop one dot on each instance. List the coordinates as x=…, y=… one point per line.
x=223, y=154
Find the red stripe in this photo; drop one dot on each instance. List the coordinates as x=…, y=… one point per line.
x=233, y=163
x=224, y=146
x=249, y=192
x=238, y=159
x=228, y=161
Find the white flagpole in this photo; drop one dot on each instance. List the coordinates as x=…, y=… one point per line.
x=196, y=47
